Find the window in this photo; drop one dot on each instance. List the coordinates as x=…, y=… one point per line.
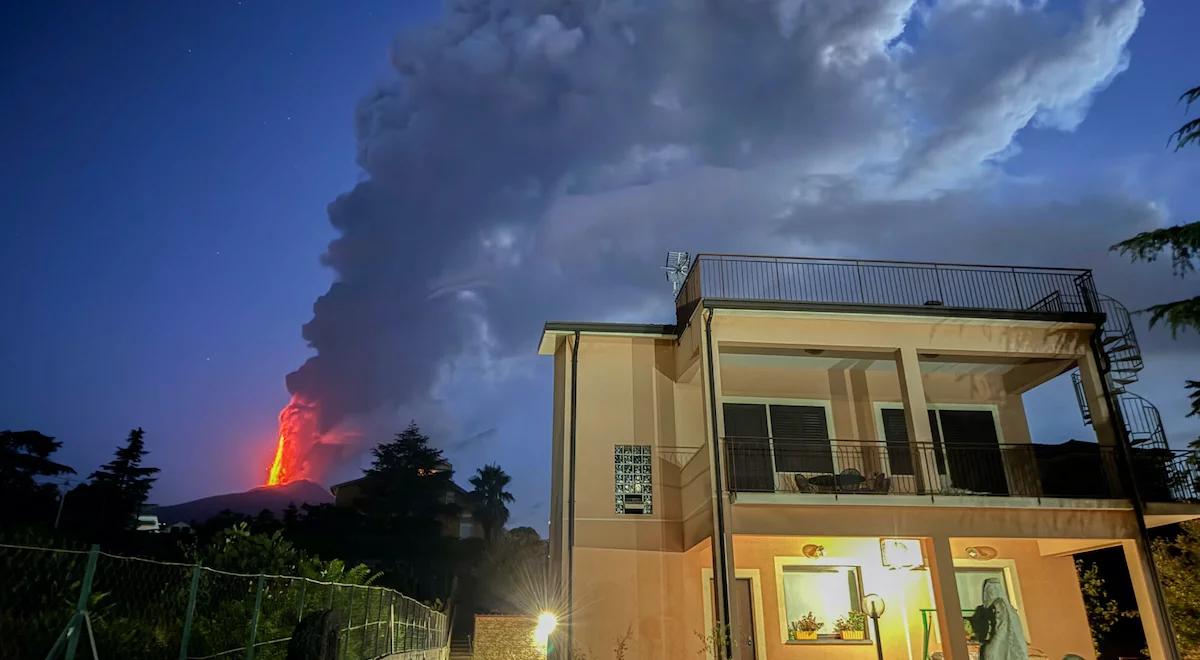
x=895, y=434
x=631, y=472
x=765, y=438
x=829, y=592
x=970, y=584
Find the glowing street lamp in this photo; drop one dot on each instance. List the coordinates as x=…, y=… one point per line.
x=546, y=623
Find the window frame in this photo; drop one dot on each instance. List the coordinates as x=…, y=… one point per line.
x=767, y=402
x=1012, y=582
x=784, y=565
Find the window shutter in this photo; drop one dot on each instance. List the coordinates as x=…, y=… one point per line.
x=895, y=434
x=801, y=435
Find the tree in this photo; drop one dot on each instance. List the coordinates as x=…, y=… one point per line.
x=1183, y=242
x=1178, y=562
x=119, y=488
x=1103, y=611
x=24, y=460
x=408, y=483
x=491, y=499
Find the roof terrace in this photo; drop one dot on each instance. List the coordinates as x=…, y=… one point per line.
x=905, y=286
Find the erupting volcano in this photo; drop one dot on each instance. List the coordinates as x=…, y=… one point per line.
x=298, y=451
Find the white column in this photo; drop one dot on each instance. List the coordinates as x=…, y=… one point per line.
x=1093, y=392
x=945, y=596
x=1153, y=617
x=916, y=417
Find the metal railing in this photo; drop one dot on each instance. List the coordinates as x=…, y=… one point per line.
x=79, y=604
x=886, y=283
x=1069, y=470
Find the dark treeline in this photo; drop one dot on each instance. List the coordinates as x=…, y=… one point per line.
x=397, y=527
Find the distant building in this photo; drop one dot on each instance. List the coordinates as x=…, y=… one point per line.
x=461, y=525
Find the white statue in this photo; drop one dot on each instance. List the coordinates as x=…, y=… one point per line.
x=997, y=626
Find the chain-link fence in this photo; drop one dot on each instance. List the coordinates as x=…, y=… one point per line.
x=90, y=605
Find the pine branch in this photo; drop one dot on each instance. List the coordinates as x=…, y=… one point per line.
x=1194, y=386
x=1189, y=132
x=1179, y=315
x=1182, y=240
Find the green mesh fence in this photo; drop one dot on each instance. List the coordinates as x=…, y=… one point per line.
x=140, y=608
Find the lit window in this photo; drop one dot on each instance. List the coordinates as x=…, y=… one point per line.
x=631, y=472
x=829, y=592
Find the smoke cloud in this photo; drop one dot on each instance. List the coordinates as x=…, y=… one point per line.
x=533, y=159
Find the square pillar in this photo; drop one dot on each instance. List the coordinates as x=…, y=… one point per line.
x=1092, y=380
x=945, y=598
x=1154, y=619
x=722, y=523
x=916, y=419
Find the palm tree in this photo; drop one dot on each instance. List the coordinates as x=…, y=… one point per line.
x=491, y=498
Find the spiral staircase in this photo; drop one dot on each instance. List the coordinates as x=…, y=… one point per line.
x=1121, y=362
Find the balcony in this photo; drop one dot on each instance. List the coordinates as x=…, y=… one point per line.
x=837, y=283
x=1072, y=470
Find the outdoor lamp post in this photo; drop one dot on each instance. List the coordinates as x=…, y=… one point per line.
x=874, y=606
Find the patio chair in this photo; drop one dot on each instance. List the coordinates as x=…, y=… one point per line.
x=802, y=485
x=880, y=483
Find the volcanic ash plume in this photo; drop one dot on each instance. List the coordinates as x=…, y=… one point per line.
x=529, y=159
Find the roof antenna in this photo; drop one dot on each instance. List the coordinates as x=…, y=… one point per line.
x=677, y=269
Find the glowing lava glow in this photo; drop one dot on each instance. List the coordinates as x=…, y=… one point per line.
x=297, y=451
x=276, y=476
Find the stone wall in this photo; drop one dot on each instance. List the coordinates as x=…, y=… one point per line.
x=505, y=637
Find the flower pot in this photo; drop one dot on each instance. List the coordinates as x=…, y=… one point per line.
x=854, y=634
x=804, y=635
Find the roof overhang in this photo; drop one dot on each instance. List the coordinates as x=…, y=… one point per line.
x=555, y=331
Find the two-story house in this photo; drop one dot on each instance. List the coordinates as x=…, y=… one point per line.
x=813, y=432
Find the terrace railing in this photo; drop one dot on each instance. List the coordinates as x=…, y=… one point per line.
x=844, y=467
x=886, y=283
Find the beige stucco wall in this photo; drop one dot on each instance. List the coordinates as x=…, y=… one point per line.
x=854, y=394
x=645, y=572
x=1050, y=594
x=639, y=592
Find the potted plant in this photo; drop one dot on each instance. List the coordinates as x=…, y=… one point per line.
x=805, y=628
x=852, y=626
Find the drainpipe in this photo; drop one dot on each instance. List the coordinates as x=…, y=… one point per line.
x=718, y=546
x=1139, y=504
x=571, y=504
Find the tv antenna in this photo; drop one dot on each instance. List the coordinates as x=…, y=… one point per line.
x=677, y=269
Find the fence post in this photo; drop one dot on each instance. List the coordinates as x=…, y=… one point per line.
x=254, y=621
x=75, y=627
x=191, y=613
x=303, y=593
x=392, y=626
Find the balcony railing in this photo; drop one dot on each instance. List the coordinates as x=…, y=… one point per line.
x=886, y=283
x=858, y=467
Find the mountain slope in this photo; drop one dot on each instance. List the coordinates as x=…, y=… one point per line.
x=273, y=498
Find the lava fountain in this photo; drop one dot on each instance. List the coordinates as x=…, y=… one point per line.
x=298, y=438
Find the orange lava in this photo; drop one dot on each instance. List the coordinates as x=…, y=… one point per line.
x=277, y=476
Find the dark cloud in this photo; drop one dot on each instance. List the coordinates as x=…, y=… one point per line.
x=533, y=159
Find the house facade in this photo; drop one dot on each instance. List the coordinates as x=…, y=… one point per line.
x=813, y=438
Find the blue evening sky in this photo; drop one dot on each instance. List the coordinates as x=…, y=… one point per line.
x=166, y=168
